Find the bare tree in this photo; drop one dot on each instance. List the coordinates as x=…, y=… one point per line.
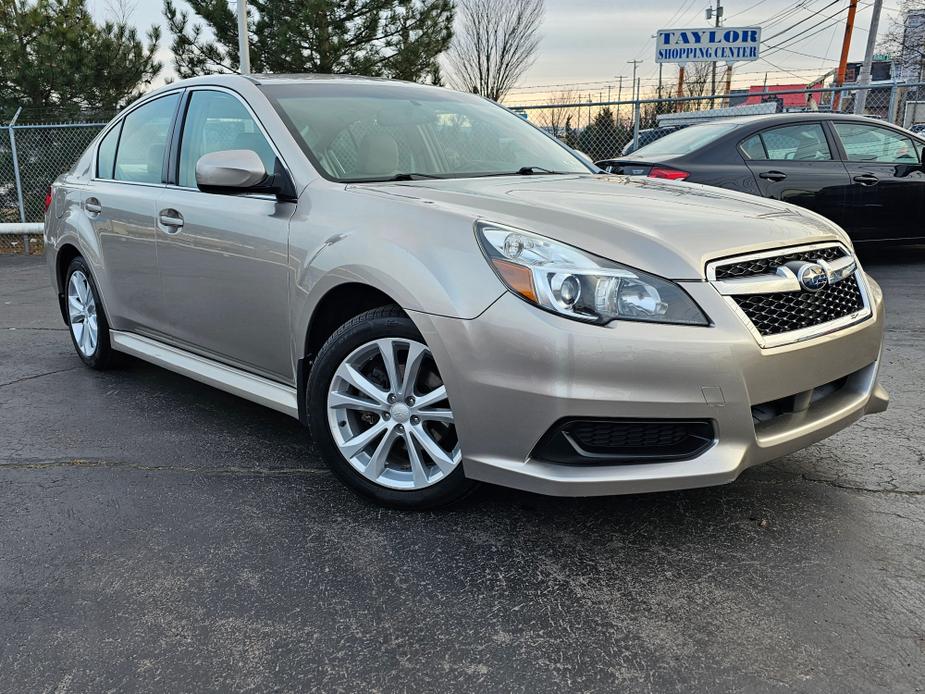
x=562, y=108
x=495, y=43
x=697, y=79
x=904, y=39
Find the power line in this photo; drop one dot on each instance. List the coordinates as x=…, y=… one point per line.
x=782, y=15
x=747, y=9
x=805, y=33
x=805, y=19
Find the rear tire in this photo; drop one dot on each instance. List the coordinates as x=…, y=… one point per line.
x=86, y=319
x=379, y=414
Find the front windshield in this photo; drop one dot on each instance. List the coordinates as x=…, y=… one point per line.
x=687, y=140
x=376, y=132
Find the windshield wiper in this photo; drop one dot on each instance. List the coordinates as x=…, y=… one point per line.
x=523, y=171
x=411, y=176
x=530, y=170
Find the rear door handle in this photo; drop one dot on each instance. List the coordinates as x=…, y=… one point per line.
x=867, y=180
x=92, y=206
x=171, y=220
x=772, y=175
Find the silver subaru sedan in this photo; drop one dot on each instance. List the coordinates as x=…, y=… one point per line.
x=446, y=295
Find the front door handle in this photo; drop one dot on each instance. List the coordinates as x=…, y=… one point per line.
x=867, y=179
x=171, y=220
x=772, y=175
x=93, y=207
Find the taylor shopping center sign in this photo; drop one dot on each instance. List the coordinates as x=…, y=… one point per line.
x=719, y=44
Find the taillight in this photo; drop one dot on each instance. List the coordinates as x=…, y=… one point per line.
x=670, y=174
x=48, y=199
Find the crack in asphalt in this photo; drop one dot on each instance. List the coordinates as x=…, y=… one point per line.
x=233, y=470
x=855, y=488
x=41, y=375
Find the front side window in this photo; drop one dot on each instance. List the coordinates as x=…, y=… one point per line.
x=356, y=132
x=217, y=122
x=140, y=155
x=871, y=143
x=803, y=142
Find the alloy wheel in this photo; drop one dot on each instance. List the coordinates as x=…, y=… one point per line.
x=81, y=308
x=390, y=417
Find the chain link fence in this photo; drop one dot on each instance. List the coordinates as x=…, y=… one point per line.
x=31, y=157
x=611, y=129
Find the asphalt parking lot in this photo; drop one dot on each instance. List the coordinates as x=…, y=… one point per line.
x=159, y=535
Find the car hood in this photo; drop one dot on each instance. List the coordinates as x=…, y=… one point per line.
x=667, y=228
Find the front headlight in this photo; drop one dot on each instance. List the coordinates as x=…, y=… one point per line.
x=572, y=283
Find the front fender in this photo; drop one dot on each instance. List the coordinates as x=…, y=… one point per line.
x=427, y=261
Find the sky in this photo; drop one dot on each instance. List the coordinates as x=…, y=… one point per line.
x=586, y=43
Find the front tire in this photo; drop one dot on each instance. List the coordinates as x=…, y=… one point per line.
x=86, y=319
x=379, y=413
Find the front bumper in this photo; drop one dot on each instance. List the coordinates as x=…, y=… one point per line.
x=516, y=370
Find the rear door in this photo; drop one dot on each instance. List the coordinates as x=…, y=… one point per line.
x=887, y=193
x=120, y=204
x=797, y=164
x=223, y=259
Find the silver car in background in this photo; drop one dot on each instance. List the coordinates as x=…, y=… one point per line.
x=445, y=294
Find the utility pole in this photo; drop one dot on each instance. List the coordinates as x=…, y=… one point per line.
x=845, y=47
x=729, y=84
x=860, y=101
x=244, y=51
x=637, y=116
x=636, y=64
x=619, y=97
x=635, y=84
x=680, y=104
x=717, y=15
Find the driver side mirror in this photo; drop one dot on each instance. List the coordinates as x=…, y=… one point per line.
x=235, y=171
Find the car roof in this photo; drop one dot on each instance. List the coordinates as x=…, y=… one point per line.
x=774, y=118
x=240, y=82
x=231, y=81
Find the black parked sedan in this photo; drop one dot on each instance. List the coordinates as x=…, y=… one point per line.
x=865, y=175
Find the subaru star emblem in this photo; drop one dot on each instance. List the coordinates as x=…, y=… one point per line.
x=812, y=277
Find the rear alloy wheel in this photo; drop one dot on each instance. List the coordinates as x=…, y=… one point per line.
x=381, y=413
x=85, y=317
x=81, y=309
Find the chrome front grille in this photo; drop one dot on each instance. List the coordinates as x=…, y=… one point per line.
x=773, y=314
x=793, y=294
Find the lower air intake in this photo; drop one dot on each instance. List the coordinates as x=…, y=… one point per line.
x=624, y=441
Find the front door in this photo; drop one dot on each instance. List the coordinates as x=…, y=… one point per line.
x=223, y=259
x=887, y=194
x=121, y=207
x=795, y=164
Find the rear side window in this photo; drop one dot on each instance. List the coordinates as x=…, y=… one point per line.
x=752, y=148
x=687, y=140
x=869, y=143
x=217, y=122
x=803, y=142
x=106, y=157
x=140, y=155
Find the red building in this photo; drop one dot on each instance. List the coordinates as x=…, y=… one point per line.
x=787, y=101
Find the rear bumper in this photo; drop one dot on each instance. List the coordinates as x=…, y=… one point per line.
x=515, y=371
